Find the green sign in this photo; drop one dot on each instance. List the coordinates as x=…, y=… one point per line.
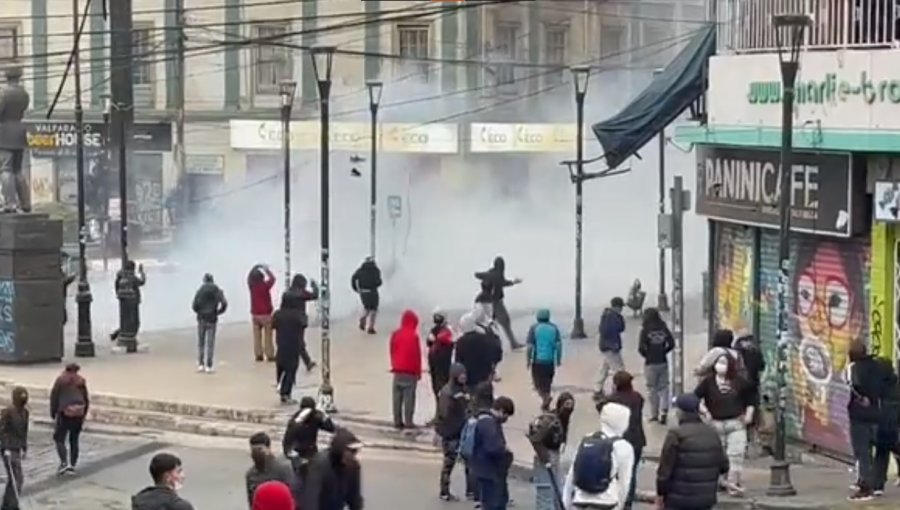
x=829, y=90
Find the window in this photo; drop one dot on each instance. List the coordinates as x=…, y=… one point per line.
x=271, y=64
x=412, y=43
x=555, y=44
x=9, y=43
x=142, y=53
x=506, y=48
x=611, y=39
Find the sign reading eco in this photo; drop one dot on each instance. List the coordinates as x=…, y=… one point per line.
x=829, y=90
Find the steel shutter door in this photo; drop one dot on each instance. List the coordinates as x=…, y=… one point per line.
x=828, y=309
x=734, y=277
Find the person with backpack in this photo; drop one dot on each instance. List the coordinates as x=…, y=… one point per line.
x=728, y=401
x=452, y=411
x=754, y=363
x=548, y=434
x=483, y=446
x=476, y=351
x=612, y=325
x=209, y=304
x=544, y=354
x=600, y=476
x=626, y=395
x=691, y=461
x=69, y=405
x=654, y=345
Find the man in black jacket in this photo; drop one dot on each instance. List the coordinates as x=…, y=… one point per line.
x=302, y=434
x=493, y=281
x=477, y=352
x=14, y=445
x=452, y=412
x=209, y=304
x=168, y=477
x=365, y=281
x=267, y=468
x=334, y=480
x=691, y=461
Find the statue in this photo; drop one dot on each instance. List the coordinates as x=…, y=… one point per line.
x=14, y=101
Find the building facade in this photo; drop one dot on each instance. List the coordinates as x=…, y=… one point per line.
x=844, y=272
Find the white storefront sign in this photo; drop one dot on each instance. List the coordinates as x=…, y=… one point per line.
x=852, y=90
x=420, y=138
x=494, y=137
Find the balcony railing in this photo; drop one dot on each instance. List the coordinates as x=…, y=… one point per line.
x=745, y=26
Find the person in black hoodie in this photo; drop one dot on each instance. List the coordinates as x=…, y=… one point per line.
x=69, y=405
x=301, y=435
x=872, y=383
x=654, y=344
x=440, y=353
x=209, y=304
x=168, y=477
x=365, y=281
x=452, y=412
x=14, y=445
x=290, y=322
x=334, y=481
x=493, y=281
x=266, y=467
x=477, y=352
x=625, y=394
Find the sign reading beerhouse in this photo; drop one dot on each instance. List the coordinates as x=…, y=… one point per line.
x=742, y=186
x=49, y=139
x=347, y=136
x=495, y=137
x=835, y=90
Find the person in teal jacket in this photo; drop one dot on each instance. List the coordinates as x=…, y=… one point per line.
x=544, y=355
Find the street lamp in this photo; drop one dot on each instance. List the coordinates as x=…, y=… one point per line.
x=322, y=59
x=789, y=30
x=84, y=346
x=106, y=175
x=662, y=301
x=287, y=89
x=580, y=74
x=375, y=89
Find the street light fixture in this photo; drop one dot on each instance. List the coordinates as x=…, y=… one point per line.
x=580, y=75
x=375, y=90
x=287, y=89
x=789, y=30
x=322, y=60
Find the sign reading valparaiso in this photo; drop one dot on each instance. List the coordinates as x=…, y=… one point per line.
x=829, y=90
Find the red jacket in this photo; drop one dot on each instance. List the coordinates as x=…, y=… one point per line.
x=406, y=350
x=261, y=295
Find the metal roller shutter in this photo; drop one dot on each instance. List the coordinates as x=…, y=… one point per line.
x=734, y=277
x=828, y=309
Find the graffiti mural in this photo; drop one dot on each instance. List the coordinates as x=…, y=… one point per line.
x=829, y=310
x=734, y=279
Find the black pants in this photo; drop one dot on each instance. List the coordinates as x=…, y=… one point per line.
x=450, y=448
x=501, y=315
x=304, y=354
x=15, y=478
x=70, y=428
x=287, y=375
x=862, y=440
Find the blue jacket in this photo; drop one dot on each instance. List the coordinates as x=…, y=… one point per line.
x=612, y=325
x=544, y=341
x=491, y=458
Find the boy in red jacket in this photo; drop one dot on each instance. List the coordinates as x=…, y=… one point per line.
x=406, y=365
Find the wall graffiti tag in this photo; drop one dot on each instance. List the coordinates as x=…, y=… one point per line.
x=875, y=330
x=7, y=317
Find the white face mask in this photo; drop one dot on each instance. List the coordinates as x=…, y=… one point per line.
x=721, y=367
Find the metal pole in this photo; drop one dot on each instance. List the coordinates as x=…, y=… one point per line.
x=180, y=137
x=123, y=191
x=326, y=391
x=662, y=302
x=373, y=189
x=780, y=482
x=107, y=177
x=578, y=325
x=84, y=347
x=679, y=205
x=286, y=147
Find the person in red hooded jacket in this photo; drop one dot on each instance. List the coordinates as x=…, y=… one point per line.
x=440, y=353
x=406, y=365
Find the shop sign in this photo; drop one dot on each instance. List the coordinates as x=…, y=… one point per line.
x=886, y=200
x=742, y=186
x=420, y=138
x=834, y=90
x=50, y=139
x=204, y=164
x=523, y=138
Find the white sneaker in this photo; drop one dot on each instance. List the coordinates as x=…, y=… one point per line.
x=201, y=368
x=210, y=370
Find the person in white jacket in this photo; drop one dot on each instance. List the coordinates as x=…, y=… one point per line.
x=613, y=423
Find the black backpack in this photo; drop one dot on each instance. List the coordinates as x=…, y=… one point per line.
x=593, y=467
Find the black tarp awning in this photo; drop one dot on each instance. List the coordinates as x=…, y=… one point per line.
x=672, y=91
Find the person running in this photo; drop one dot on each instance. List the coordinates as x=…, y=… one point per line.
x=612, y=325
x=493, y=281
x=654, y=345
x=260, y=281
x=440, y=353
x=266, y=467
x=301, y=435
x=334, y=479
x=168, y=478
x=548, y=434
x=14, y=420
x=366, y=281
x=69, y=404
x=544, y=355
x=452, y=412
x=406, y=366
x=209, y=304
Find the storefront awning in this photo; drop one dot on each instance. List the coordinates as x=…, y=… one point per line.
x=671, y=92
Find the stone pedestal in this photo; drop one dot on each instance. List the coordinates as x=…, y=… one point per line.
x=31, y=289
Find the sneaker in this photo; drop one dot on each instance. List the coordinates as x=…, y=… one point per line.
x=653, y=419
x=477, y=505
x=878, y=493
x=259, y=358
x=371, y=331
x=287, y=400
x=448, y=497
x=897, y=482
x=210, y=370
x=470, y=496
x=71, y=470
x=362, y=324
x=201, y=368
x=860, y=495
x=62, y=469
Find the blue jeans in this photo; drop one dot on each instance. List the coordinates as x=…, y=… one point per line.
x=493, y=494
x=206, y=343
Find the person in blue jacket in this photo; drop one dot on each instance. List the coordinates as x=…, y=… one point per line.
x=544, y=355
x=491, y=457
x=612, y=325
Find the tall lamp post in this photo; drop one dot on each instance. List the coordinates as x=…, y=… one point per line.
x=287, y=89
x=106, y=178
x=322, y=59
x=375, y=89
x=662, y=300
x=580, y=75
x=789, y=30
x=84, y=346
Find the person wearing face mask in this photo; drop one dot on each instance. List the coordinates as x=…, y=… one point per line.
x=14, y=445
x=266, y=467
x=452, y=412
x=691, y=461
x=548, y=434
x=334, y=481
x=168, y=478
x=729, y=402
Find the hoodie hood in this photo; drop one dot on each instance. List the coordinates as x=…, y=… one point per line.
x=154, y=498
x=409, y=320
x=343, y=439
x=456, y=370
x=543, y=315
x=19, y=396
x=298, y=282
x=369, y=265
x=499, y=264
x=467, y=323
x=614, y=419
x=273, y=495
